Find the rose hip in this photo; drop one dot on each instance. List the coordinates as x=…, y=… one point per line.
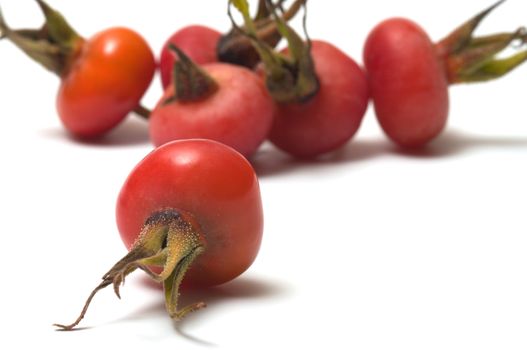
x=330, y=118
x=196, y=41
x=221, y=102
x=102, y=78
x=409, y=75
x=190, y=212
x=322, y=94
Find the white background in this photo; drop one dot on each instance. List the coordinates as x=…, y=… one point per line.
x=368, y=248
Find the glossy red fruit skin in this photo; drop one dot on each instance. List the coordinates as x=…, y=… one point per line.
x=329, y=119
x=196, y=41
x=104, y=82
x=408, y=82
x=213, y=183
x=239, y=114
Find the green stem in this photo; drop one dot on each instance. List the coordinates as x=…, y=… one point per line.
x=289, y=79
x=142, y=112
x=170, y=239
x=307, y=83
x=235, y=47
x=274, y=64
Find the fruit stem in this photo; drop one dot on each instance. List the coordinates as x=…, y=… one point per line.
x=234, y=47
x=191, y=83
x=169, y=239
x=142, y=112
x=307, y=83
x=468, y=58
x=290, y=79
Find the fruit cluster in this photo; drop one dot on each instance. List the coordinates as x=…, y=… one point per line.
x=224, y=95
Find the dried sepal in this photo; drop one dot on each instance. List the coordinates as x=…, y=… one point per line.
x=169, y=240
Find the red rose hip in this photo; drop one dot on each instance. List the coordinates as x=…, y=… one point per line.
x=409, y=75
x=407, y=82
x=321, y=93
x=190, y=209
x=197, y=41
x=218, y=101
x=329, y=118
x=103, y=78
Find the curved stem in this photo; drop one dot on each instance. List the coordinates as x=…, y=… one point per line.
x=235, y=47
x=71, y=326
x=170, y=239
x=290, y=79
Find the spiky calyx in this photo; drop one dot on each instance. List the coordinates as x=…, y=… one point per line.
x=170, y=240
x=469, y=58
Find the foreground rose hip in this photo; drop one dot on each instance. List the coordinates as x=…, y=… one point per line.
x=409, y=75
x=102, y=78
x=190, y=210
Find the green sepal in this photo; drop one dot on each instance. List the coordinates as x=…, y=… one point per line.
x=58, y=29
x=191, y=83
x=53, y=45
x=494, y=68
x=461, y=37
x=482, y=50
